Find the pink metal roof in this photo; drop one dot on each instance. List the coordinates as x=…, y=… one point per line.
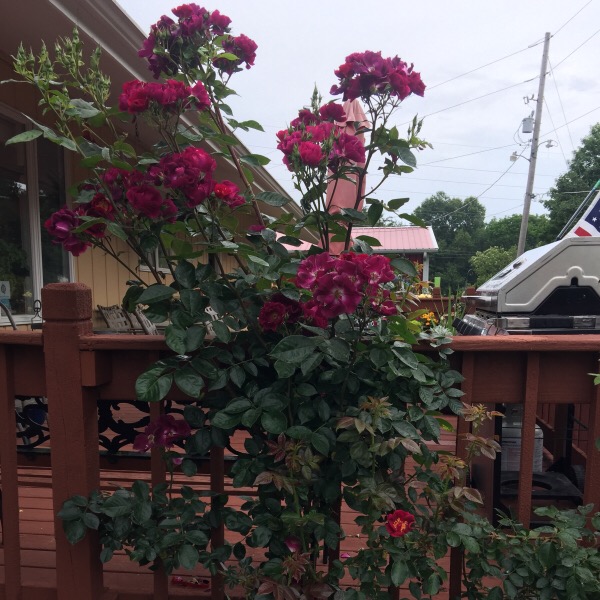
x=400, y=239
x=393, y=239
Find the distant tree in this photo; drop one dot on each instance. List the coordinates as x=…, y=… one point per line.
x=570, y=188
x=488, y=262
x=458, y=226
x=504, y=233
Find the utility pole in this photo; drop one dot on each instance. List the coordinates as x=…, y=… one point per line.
x=534, y=148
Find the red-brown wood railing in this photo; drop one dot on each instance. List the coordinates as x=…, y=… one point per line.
x=74, y=369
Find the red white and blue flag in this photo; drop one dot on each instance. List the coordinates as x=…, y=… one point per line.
x=589, y=224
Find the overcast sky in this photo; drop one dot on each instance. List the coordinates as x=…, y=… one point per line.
x=478, y=58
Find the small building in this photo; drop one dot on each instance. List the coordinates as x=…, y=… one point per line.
x=412, y=242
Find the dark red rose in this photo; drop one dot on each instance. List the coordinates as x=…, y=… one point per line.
x=399, y=523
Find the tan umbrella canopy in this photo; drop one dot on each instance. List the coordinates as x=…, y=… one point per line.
x=344, y=193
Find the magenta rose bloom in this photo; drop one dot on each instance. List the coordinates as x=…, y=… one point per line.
x=169, y=95
x=133, y=98
x=60, y=226
x=146, y=200
x=313, y=267
x=305, y=117
x=368, y=74
x=163, y=432
x=399, y=523
x=228, y=192
x=337, y=294
x=333, y=112
x=311, y=154
x=219, y=23
x=245, y=50
x=347, y=148
x=313, y=314
x=201, y=97
x=271, y=316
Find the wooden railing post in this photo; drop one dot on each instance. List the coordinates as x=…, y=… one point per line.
x=592, y=467
x=9, y=490
x=73, y=420
x=530, y=404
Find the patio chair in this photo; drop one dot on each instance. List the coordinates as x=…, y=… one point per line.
x=116, y=318
x=148, y=327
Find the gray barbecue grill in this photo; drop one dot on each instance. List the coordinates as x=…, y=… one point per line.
x=554, y=289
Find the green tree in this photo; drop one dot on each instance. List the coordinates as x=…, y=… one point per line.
x=488, y=262
x=458, y=226
x=571, y=187
x=504, y=233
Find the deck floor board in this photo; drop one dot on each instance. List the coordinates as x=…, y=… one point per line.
x=130, y=581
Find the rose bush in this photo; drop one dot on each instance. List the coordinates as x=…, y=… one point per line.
x=309, y=360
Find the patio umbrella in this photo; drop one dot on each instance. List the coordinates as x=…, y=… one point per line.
x=343, y=193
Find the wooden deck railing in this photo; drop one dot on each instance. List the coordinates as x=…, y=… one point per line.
x=75, y=369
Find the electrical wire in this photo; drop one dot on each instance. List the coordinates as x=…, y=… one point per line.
x=578, y=47
x=549, y=113
x=563, y=111
x=514, y=85
x=476, y=198
x=569, y=20
x=431, y=87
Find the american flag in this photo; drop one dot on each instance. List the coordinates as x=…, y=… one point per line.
x=589, y=224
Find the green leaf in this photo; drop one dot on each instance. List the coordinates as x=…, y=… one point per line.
x=225, y=420
x=142, y=512
x=189, y=381
x=156, y=293
x=284, y=369
x=373, y=242
x=185, y=274
x=106, y=555
x=294, y=349
x=26, y=136
x=256, y=160
x=153, y=385
x=404, y=266
x=117, y=505
x=251, y=416
x=188, y=556
x=116, y=230
x=90, y=520
x=74, y=530
x=406, y=156
x=237, y=375
x=176, y=338
x=274, y=422
x=320, y=443
x=272, y=198
x=261, y=536
x=547, y=555
x=81, y=108
x=374, y=213
x=221, y=331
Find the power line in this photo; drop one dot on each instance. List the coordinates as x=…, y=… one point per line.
x=569, y=20
x=482, y=193
x=431, y=87
x=578, y=47
x=554, y=131
x=478, y=98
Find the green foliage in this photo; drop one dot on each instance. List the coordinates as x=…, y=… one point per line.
x=491, y=261
x=572, y=187
x=458, y=226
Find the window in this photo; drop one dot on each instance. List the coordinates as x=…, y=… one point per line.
x=32, y=186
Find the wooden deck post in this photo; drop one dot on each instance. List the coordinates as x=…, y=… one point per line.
x=73, y=419
x=530, y=404
x=9, y=490
x=592, y=467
